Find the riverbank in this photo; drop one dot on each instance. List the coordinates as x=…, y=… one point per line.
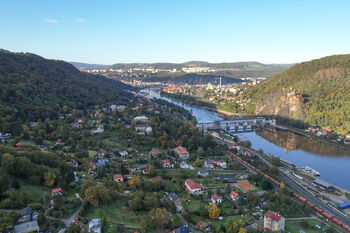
x=309, y=135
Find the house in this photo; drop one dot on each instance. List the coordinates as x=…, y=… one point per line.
x=248, y=153
x=236, y=146
x=145, y=171
x=143, y=129
x=182, y=229
x=25, y=215
x=143, y=119
x=177, y=201
x=203, y=172
x=129, y=176
x=184, y=165
x=155, y=152
x=33, y=124
x=209, y=164
x=95, y=225
x=322, y=133
x=193, y=187
x=160, y=179
x=216, y=198
x=118, y=178
x=220, y=163
x=99, y=129
x=273, y=221
x=121, y=108
x=123, y=153
x=102, y=162
x=234, y=196
x=182, y=152
x=27, y=227
x=166, y=163
x=142, y=167
x=56, y=191
x=203, y=226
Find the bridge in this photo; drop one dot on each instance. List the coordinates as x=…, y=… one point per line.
x=238, y=125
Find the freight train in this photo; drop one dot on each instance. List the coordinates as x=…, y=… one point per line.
x=317, y=209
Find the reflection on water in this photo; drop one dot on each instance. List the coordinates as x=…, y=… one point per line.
x=330, y=160
x=291, y=141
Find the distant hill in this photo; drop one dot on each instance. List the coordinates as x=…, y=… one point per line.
x=33, y=88
x=314, y=92
x=236, y=69
x=230, y=72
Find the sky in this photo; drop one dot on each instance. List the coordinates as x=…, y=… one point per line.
x=108, y=32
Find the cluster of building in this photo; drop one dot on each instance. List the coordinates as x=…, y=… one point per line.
x=328, y=133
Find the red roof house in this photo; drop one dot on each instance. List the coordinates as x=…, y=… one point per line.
x=118, y=178
x=234, y=195
x=192, y=186
x=56, y=191
x=166, y=163
x=216, y=198
x=273, y=221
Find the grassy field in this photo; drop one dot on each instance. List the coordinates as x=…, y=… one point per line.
x=194, y=205
x=114, y=214
x=297, y=226
x=35, y=192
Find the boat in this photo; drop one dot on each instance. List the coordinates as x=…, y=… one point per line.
x=311, y=170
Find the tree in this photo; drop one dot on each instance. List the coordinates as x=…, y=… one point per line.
x=49, y=179
x=214, y=211
x=159, y=218
x=74, y=228
x=197, y=162
x=104, y=221
x=282, y=185
x=242, y=230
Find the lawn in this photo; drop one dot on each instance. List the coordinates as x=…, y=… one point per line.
x=35, y=192
x=296, y=226
x=114, y=214
x=194, y=205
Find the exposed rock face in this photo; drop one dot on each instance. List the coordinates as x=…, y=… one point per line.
x=282, y=103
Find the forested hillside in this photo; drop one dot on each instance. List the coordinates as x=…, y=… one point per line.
x=314, y=92
x=33, y=88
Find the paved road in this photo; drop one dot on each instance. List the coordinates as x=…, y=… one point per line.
x=69, y=220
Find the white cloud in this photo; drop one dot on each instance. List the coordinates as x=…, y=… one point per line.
x=51, y=20
x=80, y=20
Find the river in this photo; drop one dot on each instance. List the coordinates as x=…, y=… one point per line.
x=333, y=162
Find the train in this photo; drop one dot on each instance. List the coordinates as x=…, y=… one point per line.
x=297, y=196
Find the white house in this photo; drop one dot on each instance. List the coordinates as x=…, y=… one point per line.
x=141, y=118
x=95, y=225
x=143, y=129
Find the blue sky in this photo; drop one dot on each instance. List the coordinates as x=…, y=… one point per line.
x=107, y=32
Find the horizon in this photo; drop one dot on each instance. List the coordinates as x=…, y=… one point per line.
x=110, y=32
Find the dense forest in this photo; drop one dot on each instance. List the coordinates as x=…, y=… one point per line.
x=33, y=88
x=320, y=87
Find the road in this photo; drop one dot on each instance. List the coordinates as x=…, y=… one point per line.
x=69, y=220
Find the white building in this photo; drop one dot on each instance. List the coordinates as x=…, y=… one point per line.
x=141, y=118
x=95, y=225
x=273, y=221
